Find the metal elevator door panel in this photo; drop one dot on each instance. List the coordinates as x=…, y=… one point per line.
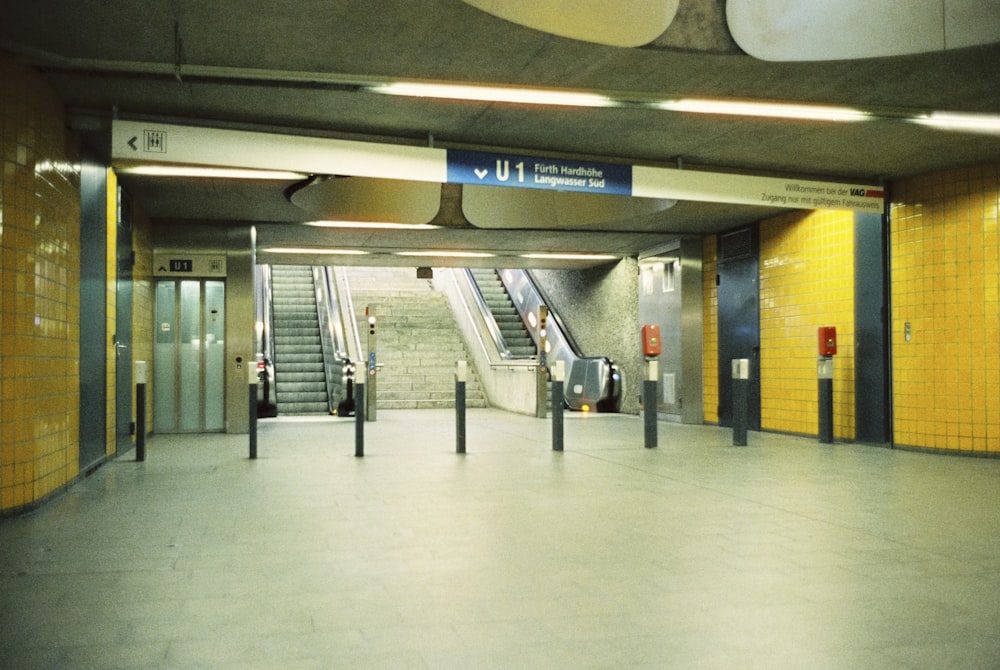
x=739, y=319
x=188, y=376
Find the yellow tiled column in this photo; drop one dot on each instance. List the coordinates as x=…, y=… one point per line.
x=806, y=281
x=945, y=251
x=39, y=290
x=710, y=328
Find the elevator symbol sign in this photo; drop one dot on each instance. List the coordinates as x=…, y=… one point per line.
x=154, y=141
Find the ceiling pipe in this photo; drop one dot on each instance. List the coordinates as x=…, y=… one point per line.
x=970, y=122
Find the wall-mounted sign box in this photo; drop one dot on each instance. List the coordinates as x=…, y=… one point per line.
x=188, y=264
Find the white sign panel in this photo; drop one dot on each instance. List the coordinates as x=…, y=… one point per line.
x=190, y=145
x=140, y=142
x=651, y=182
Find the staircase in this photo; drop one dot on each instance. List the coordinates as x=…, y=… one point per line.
x=515, y=335
x=418, y=340
x=299, y=376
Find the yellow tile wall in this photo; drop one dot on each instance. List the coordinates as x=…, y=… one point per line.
x=945, y=258
x=39, y=290
x=710, y=326
x=806, y=281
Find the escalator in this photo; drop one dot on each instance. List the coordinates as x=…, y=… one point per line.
x=300, y=339
x=299, y=373
x=509, y=301
x=515, y=338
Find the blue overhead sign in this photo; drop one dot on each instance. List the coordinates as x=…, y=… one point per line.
x=473, y=167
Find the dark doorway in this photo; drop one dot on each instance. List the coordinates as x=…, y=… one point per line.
x=739, y=319
x=871, y=330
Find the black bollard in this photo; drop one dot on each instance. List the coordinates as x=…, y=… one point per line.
x=557, y=414
x=459, y=417
x=649, y=411
x=359, y=416
x=740, y=393
x=140, y=411
x=140, y=422
x=824, y=374
x=253, y=420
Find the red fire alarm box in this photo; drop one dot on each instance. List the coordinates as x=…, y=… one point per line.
x=651, y=345
x=827, y=340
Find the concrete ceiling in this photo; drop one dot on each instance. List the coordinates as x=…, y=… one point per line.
x=292, y=68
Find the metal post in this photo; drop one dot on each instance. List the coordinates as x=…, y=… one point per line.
x=359, y=416
x=649, y=402
x=558, y=374
x=824, y=376
x=140, y=411
x=252, y=408
x=541, y=381
x=460, y=375
x=740, y=395
x=371, y=410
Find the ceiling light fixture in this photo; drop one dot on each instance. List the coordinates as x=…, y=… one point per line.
x=571, y=257
x=320, y=251
x=774, y=110
x=382, y=225
x=447, y=254
x=989, y=123
x=472, y=92
x=210, y=172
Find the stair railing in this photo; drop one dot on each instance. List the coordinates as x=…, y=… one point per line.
x=488, y=318
x=337, y=365
x=264, y=332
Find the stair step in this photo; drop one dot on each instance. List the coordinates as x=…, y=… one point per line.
x=299, y=372
x=418, y=340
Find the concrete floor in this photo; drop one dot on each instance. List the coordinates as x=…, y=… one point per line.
x=697, y=554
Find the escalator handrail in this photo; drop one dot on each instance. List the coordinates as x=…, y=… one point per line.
x=489, y=318
x=351, y=318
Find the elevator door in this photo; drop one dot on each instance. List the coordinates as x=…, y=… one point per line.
x=188, y=364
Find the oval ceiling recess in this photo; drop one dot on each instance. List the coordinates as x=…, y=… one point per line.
x=625, y=23
x=781, y=30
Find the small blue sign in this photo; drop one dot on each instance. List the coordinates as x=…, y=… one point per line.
x=473, y=167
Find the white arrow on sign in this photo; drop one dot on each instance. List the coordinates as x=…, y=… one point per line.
x=481, y=172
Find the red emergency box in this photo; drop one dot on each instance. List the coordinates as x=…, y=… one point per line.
x=651, y=345
x=827, y=340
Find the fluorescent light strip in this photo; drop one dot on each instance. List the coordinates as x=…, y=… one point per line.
x=571, y=257
x=472, y=92
x=209, y=172
x=447, y=254
x=775, y=110
x=305, y=250
x=989, y=123
x=383, y=225
x=534, y=96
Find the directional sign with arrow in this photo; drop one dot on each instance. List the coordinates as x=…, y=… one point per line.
x=473, y=167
